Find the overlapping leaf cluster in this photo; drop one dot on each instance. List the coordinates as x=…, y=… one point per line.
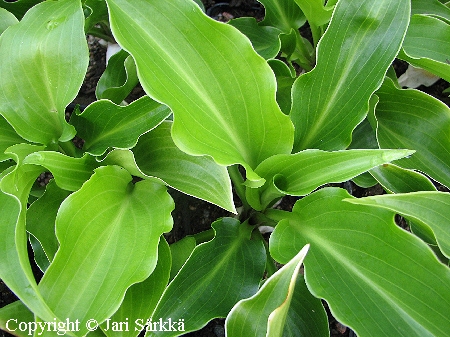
x=220, y=97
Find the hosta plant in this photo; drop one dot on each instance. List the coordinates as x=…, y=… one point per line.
x=245, y=106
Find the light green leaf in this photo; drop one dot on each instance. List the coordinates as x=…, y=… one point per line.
x=265, y=313
x=217, y=275
x=141, y=298
x=104, y=124
x=8, y=137
x=6, y=19
x=41, y=217
x=156, y=155
x=42, y=66
x=354, y=54
x=265, y=39
x=430, y=7
x=69, y=172
x=301, y=173
x=377, y=278
x=118, y=79
x=283, y=14
x=209, y=75
x=426, y=208
x=315, y=11
x=398, y=180
x=181, y=250
x=12, y=315
x=427, y=45
x=108, y=233
x=19, y=7
x=15, y=269
x=412, y=119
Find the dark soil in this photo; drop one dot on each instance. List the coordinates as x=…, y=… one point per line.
x=192, y=215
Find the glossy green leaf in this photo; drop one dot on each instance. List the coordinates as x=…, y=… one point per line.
x=104, y=124
x=218, y=274
x=353, y=56
x=8, y=137
x=181, y=250
x=15, y=269
x=264, y=314
x=306, y=315
x=412, y=119
x=377, y=278
x=43, y=63
x=430, y=209
x=315, y=11
x=156, y=155
x=301, y=173
x=427, y=45
x=209, y=75
x=141, y=298
x=69, y=172
x=12, y=315
x=19, y=7
x=398, y=180
x=264, y=39
x=108, y=233
x=41, y=217
x=283, y=14
x=6, y=19
x=118, y=79
x=430, y=7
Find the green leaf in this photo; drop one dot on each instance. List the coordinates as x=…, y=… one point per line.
x=301, y=173
x=282, y=14
x=427, y=209
x=156, y=155
x=69, y=173
x=98, y=12
x=427, y=45
x=195, y=65
x=15, y=269
x=285, y=80
x=414, y=120
x=398, y=180
x=118, y=79
x=19, y=7
x=108, y=233
x=315, y=11
x=430, y=7
x=8, y=137
x=265, y=39
x=41, y=217
x=265, y=313
x=354, y=54
x=306, y=314
x=180, y=251
x=104, y=124
x=6, y=19
x=141, y=298
x=218, y=274
x=12, y=315
x=377, y=278
x=42, y=66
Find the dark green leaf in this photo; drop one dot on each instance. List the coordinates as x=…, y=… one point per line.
x=218, y=274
